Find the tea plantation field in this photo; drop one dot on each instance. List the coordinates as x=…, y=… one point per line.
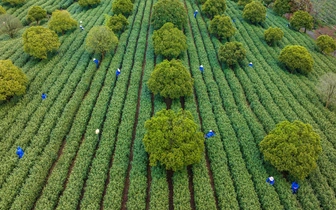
x=66, y=165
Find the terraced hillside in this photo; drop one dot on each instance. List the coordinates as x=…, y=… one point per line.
x=68, y=166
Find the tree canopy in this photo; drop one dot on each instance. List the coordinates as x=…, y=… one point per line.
x=173, y=139
x=117, y=23
x=36, y=13
x=214, y=7
x=301, y=19
x=85, y=3
x=14, y=2
x=171, y=11
x=222, y=27
x=293, y=148
x=12, y=80
x=281, y=7
x=101, y=39
x=231, y=53
x=171, y=80
x=124, y=7
x=326, y=88
x=2, y=10
x=296, y=57
x=326, y=44
x=169, y=41
x=38, y=41
x=10, y=25
x=61, y=21
x=304, y=5
x=272, y=35
x=244, y=2
x=255, y=12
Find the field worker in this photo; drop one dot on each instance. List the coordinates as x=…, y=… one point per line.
x=233, y=20
x=195, y=13
x=270, y=180
x=43, y=96
x=96, y=61
x=295, y=187
x=211, y=133
x=250, y=64
x=201, y=68
x=81, y=27
x=19, y=152
x=288, y=25
x=117, y=73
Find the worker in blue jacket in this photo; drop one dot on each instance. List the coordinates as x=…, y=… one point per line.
x=96, y=61
x=19, y=152
x=295, y=187
x=201, y=68
x=250, y=64
x=43, y=96
x=118, y=73
x=270, y=180
x=211, y=133
x=195, y=13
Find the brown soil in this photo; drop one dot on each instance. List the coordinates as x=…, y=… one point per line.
x=170, y=174
x=191, y=188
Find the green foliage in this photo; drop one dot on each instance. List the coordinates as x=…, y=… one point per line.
x=85, y=3
x=9, y=25
x=169, y=11
x=2, y=10
x=117, y=23
x=272, y=35
x=38, y=41
x=36, y=13
x=244, y=2
x=124, y=7
x=171, y=80
x=296, y=57
x=268, y=2
x=173, y=139
x=326, y=88
x=214, y=7
x=292, y=147
x=255, y=12
x=61, y=21
x=14, y=2
x=201, y=1
x=301, y=19
x=222, y=26
x=231, y=53
x=101, y=39
x=281, y=7
x=12, y=80
x=169, y=41
x=326, y=44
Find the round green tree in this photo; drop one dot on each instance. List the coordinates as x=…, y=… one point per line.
x=169, y=41
x=173, y=140
x=326, y=44
x=214, y=7
x=301, y=19
x=222, y=27
x=255, y=12
x=36, y=13
x=273, y=35
x=2, y=10
x=117, y=23
x=12, y=80
x=38, y=41
x=231, y=53
x=101, y=39
x=124, y=7
x=9, y=25
x=61, y=21
x=86, y=3
x=171, y=11
x=244, y=2
x=297, y=58
x=171, y=80
x=14, y=2
x=292, y=148
x=281, y=7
